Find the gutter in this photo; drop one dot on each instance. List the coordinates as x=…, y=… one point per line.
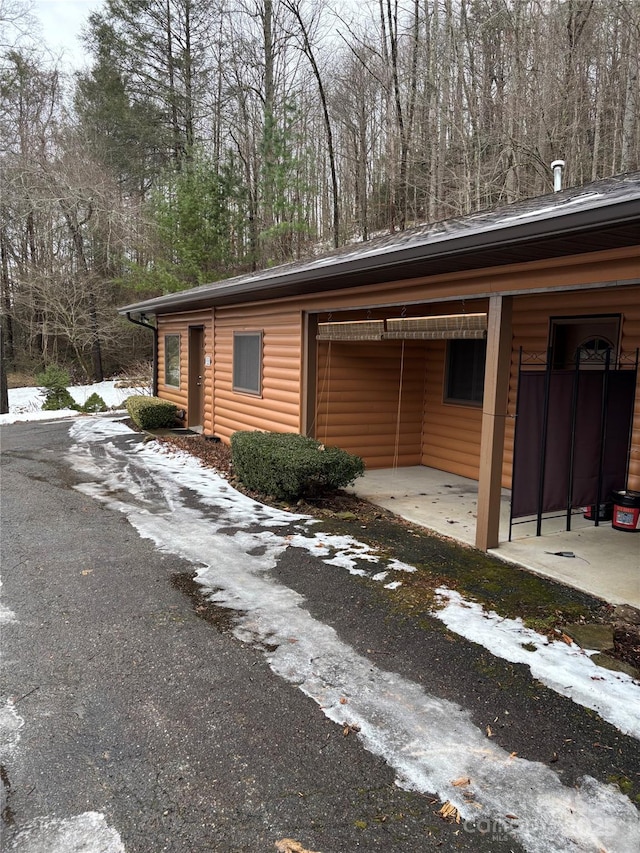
x=141, y=322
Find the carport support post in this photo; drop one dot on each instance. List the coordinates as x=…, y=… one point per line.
x=494, y=413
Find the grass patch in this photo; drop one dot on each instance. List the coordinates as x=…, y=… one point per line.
x=625, y=785
x=503, y=587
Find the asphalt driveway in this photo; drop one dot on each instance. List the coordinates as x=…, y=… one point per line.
x=140, y=715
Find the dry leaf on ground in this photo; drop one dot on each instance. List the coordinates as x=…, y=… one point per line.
x=288, y=845
x=449, y=813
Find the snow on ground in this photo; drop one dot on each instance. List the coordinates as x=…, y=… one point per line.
x=6, y=615
x=25, y=404
x=83, y=833
x=10, y=724
x=565, y=668
x=429, y=742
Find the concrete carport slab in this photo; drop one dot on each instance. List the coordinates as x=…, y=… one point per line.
x=606, y=561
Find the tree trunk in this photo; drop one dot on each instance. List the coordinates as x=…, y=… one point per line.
x=4, y=392
x=7, y=308
x=78, y=242
x=295, y=9
x=175, y=125
x=630, y=115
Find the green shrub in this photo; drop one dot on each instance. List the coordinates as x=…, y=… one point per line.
x=59, y=398
x=54, y=381
x=289, y=466
x=94, y=403
x=54, y=378
x=151, y=412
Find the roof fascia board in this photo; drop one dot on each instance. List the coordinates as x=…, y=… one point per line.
x=481, y=296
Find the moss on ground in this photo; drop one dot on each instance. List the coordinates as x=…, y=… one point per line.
x=497, y=585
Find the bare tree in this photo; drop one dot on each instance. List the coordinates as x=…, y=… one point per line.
x=305, y=34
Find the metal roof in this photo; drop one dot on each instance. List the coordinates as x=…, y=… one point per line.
x=601, y=215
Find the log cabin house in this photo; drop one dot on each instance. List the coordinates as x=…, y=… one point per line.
x=501, y=346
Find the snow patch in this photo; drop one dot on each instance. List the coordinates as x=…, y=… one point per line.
x=84, y=833
x=6, y=615
x=25, y=404
x=88, y=428
x=567, y=669
x=380, y=576
x=10, y=724
x=399, y=566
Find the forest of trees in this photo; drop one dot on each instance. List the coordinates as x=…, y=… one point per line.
x=212, y=137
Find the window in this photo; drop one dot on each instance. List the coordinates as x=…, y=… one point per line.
x=172, y=360
x=247, y=362
x=595, y=351
x=465, y=371
x=584, y=341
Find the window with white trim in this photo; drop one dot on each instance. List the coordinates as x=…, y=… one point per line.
x=247, y=362
x=172, y=360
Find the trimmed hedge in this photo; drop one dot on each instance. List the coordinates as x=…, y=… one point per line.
x=289, y=465
x=151, y=412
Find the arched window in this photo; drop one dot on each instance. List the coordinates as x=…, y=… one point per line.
x=593, y=351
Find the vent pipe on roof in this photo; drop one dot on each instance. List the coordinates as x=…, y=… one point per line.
x=558, y=167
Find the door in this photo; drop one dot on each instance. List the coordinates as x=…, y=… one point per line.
x=195, y=410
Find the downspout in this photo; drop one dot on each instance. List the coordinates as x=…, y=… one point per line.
x=154, y=380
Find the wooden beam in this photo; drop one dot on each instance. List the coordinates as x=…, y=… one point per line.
x=494, y=414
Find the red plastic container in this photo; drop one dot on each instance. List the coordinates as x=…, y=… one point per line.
x=626, y=511
x=605, y=514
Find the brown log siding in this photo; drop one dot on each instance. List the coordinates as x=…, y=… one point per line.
x=615, y=265
x=360, y=386
x=451, y=433
x=279, y=405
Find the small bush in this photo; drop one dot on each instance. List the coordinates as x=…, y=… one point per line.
x=59, y=398
x=54, y=381
x=289, y=466
x=151, y=412
x=94, y=403
x=54, y=378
